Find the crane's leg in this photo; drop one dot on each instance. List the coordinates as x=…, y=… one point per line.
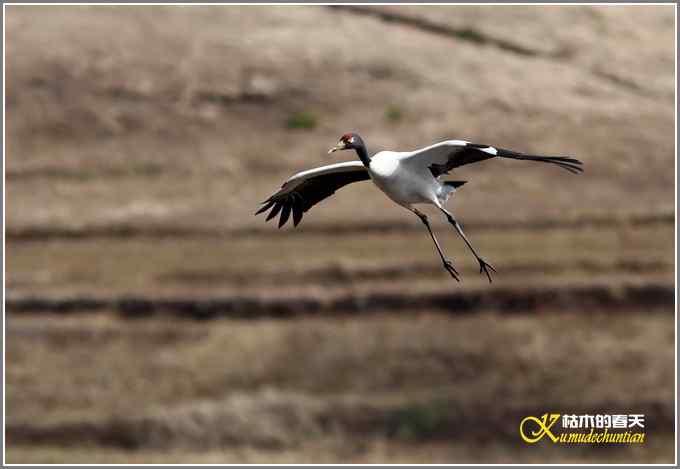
x=483, y=266
x=448, y=265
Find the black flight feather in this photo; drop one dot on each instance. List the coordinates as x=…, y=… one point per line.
x=474, y=152
x=285, y=214
x=309, y=193
x=297, y=208
x=265, y=207
x=275, y=210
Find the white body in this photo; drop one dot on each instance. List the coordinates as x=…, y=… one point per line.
x=406, y=178
x=403, y=187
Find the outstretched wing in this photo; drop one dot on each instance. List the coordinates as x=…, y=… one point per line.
x=306, y=189
x=442, y=157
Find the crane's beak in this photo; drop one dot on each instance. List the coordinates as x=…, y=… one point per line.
x=339, y=146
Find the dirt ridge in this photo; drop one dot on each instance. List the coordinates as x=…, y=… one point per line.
x=333, y=273
x=464, y=34
x=122, y=230
x=623, y=297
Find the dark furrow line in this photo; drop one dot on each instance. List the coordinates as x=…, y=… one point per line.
x=478, y=37
x=29, y=234
x=618, y=80
x=464, y=34
x=623, y=298
x=339, y=272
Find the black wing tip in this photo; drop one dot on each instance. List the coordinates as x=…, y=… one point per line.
x=285, y=214
x=285, y=206
x=567, y=163
x=571, y=168
x=567, y=160
x=572, y=165
x=264, y=208
x=266, y=204
x=275, y=211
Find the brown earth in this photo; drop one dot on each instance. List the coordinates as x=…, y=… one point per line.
x=418, y=379
x=140, y=141
x=157, y=116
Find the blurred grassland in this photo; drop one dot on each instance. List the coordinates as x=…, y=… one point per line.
x=140, y=141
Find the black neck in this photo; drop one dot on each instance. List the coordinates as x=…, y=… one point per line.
x=363, y=155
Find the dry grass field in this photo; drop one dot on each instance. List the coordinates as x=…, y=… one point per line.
x=151, y=318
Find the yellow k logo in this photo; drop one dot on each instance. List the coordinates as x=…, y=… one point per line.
x=544, y=424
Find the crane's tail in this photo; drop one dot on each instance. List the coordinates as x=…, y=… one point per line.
x=453, y=185
x=448, y=188
x=570, y=164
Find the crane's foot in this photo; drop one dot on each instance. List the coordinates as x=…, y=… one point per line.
x=448, y=265
x=485, y=267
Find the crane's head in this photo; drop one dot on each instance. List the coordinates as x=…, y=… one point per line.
x=349, y=141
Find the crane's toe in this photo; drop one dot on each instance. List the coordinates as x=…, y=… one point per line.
x=448, y=265
x=485, y=267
